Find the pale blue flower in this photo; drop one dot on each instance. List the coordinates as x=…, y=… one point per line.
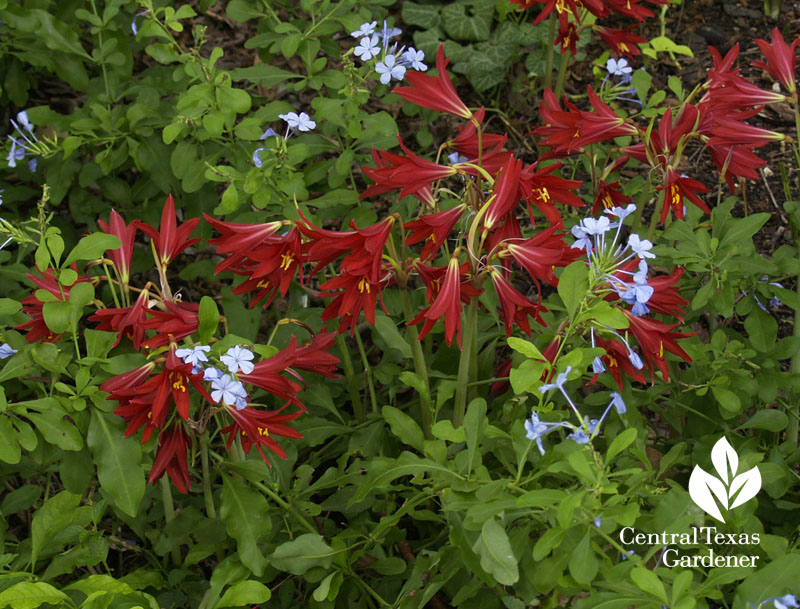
x=6, y=351
x=226, y=390
x=640, y=276
x=366, y=29
x=238, y=358
x=560, y=380
x=22, y=118
x=270, y=132
x=622, y=212
x=300, y=121
x=618, y=67
x=367, y=48
x=597, y=522
x=635, y=360
x=257, y=157
x=536, y=429
x=598, y=366
x=134, y=27
x=455, y=158
x=415, y=59
x=389, y=68
x=583, y=240
x=211, y=374
x=579, y=437
x=387, y=33
x=788, y=601
x=618, y=403
x=194, y=356
x=641, y=247
x=597, y=226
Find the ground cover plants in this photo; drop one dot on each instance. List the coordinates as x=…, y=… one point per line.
x=398, y=304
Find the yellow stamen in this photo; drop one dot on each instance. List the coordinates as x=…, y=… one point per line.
x=623, y=47
x=178, y=383
x=612, y=362
x=608, y=202
x=263, y=431
x=661, y=348
x=544, y=194
x=264, y=283
x=363, y=285
x=675, y=194
x=286, y=260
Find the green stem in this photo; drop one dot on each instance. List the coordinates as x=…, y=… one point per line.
x=548, y=72
x=208, y=496
x=420, y=367
x=286, y=506
x=562, y=73
x=169, y=514
x=367, y=372
x=352, y=382
x=792, y=430
x=470, y=323
x=654, y=220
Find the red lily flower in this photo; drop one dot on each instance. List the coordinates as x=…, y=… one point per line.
x=314, y=357
x=409, y=173
x=433, y=229
x=434, y=92
x=257, y=428
x=629, y=8
x=352, y=294
x=172, y=239
x=241, y=240
x=122, y=256
x=727, y=87
x=503, y=370
x=515, y=306
x=735, y=161
x=34, y=308
x=609, y=196
x=466, y=141
x=676, y=188
x=665, y=298
x=177, y=322
x=622, y=42
x=654, y=337
x=266, y=375
x=506, y=193
x=781, y=59
x=561, y=6
x=173, y=444
x=128, y=321
x=567, y=35
x=387, y=160
x=540, y=254
x=447, y=305
x=544, y=190
x=726, y=132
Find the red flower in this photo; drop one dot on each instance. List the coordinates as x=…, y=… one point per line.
x=172, y=239
x=609, y=196
x=411, y=174
x=505, y=193
x=434, y=92
x=622, y=42
x=314, y=357
x=121, y=256
x=266, y=375
x=352, y=293
x=34, y=308
x=655, y=337
x=433, y=229
x=173, y=444
x=540, y=254
x=567, y=35
x=616, y=361
x=544, y=190
x=728, y=132
x=665, y=298
x=727, y=87
x=177, y=322
x=447, y=305
x=466, y=141
x=675, y=189
x=128, y=321
x=257, y=428
x=515, y=306
x=241, y=240
x=781, y=60
x=382, y=160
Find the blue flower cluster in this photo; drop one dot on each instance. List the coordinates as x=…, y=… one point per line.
x=393, y=61
x=225, y=388
x=582, y=433
x=24, y=142
x=787, y=601
x=294, y=123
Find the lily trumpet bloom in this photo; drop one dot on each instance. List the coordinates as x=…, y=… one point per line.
x=433, y=229
x=258, y=427
x=171, y=239
x=781, y=60
x=122, y=256
x=434, y=92
x=515, y=306
x=173, y=444
x=447, y=305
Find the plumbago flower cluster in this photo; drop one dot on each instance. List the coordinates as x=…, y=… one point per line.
x=190, y=378
x=392, y=61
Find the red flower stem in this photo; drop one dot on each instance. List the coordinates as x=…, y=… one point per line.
x=468, y=342
x=426, y=407
x=367, y=372
x=352, y=382
x=548, y=71
x=169, y=514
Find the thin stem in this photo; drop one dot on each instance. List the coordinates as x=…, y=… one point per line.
x=208, y=496
x=367, y=372
x=548, y=73
x=426, y=406
x=562, y=73
x=169, y=514
x=470, y=323
x=352, y=382
x=286, y=506
x=654, y=220
x=792, y=430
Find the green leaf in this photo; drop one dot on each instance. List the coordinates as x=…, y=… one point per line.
x=573, y=286
x=50, y=519
x=762, y=329
x=527, y=376
x=775, y=579
x=726, y=398
x=648, y=581
x=248, y=592
x=9, y=306
x=497, y=557
x=56, y=429
x=583, y=561
x=621, y=442
x=92, y=247
x=404, y=427
x=388, y=331
x=246, y=517
x=242, y=10
x=475, y=425
x=382, y=471
x=57, y=315
x=208, y=319
x=770, y=420
x=234, y=99
x=641, y=82
x=118, y=461
x=424, y=15
x=663, y=44
x=412, y=379
x=527, y=348
x=606, y=315
x=301, y=554
x=10, y=450
x=444, y=430
x=468, y=19
x=27, y=595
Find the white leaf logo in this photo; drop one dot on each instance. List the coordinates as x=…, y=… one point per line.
x=704, y=488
